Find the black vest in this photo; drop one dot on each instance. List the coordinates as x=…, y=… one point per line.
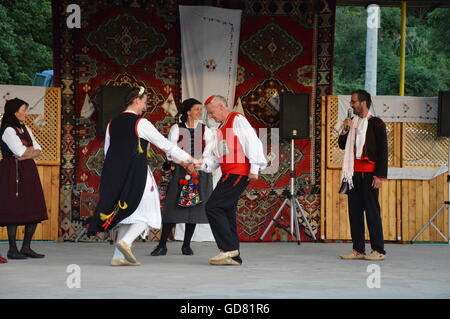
x=24, y=137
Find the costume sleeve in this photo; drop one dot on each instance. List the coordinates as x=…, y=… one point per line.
x=381, y=166
x=251, y=144
x=36, y=145
x=210, y=160
x=342, y=140
x=148, y=132
x=107, y=139
x=173, y=137
x=13, y=141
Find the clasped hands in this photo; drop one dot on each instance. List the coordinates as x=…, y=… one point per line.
x=193, y=166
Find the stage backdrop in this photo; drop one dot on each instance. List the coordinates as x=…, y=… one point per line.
x=285, y=46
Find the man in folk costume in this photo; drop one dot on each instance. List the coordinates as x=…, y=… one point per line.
x=239, y=153
x=365, y=166
x=128, y=191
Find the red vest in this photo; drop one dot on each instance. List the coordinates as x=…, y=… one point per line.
x=235, y=162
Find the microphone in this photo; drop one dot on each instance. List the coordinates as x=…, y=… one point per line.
x=349, y=115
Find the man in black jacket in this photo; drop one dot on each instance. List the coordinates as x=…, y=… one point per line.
x=365, y=166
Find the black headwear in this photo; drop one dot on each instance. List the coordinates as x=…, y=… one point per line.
x=187, y=105
x=9, y=119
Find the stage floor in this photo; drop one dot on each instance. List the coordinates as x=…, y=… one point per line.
x=270, y=270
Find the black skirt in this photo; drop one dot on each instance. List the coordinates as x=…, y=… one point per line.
x=172, y=213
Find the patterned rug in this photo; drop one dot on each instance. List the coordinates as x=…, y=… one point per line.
x=285, y=46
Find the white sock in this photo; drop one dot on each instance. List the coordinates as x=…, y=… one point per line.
x=123, y=229
x=134, y=231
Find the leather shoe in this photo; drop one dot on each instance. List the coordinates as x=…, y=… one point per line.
x=16, y=255
x=31, y=253
x=123, y=262
x=159, y=251
x=187, y=250
x=125, y=249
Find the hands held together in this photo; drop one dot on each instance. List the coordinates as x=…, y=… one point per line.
x=193, y=166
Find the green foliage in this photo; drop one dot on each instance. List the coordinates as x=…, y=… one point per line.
x=427, y=61
x=25, y=40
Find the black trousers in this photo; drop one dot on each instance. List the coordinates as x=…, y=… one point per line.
x=221, y=210
x=363, y=197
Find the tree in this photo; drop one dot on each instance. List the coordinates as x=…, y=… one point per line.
x=25, y=40
x=427, y=61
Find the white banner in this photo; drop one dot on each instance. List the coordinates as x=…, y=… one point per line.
x=209, y=52
x=33, y=95
x=397, y=108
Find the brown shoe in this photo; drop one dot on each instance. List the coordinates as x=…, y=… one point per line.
x=126, y=251
x=223, y=262
x=123, y=262
x=224, y=255
x=353, y=255
x=375, y=255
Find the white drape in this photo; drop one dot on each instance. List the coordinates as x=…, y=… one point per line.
x=33, y=95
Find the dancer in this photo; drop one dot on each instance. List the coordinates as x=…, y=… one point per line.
x=191, y=134
x=239, y=153
x=128, y=191
x=21, y=195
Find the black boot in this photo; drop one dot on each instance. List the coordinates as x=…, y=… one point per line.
x=26, y=249
x=159, y=251
x=187, y=250
x=13, y=252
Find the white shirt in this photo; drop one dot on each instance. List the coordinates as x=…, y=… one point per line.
x=208, y=137
x=148, y=132
x=14, y=143
x=251, y=146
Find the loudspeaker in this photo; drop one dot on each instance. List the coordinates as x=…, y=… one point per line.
x=294, y=115
x=111, y=102
x=444, y=113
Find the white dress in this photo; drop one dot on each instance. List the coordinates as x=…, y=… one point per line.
x=149, y=210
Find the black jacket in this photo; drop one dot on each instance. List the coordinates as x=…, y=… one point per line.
x=375, y=147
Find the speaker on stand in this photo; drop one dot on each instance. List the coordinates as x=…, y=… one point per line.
x=294, y=124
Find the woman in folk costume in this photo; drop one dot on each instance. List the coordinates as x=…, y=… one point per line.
x=188, y=190
x=128, y=192
x=21, y=196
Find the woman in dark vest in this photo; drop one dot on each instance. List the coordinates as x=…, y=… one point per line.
x=21, y=196
x=129, y=195
x=195, y=137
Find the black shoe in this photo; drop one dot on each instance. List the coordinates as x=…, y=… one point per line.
x=159, y=251
x=30, y=253
x=16, y=255
x=187, y=250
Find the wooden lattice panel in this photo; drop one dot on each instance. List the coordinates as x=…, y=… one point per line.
x=421, y=147
x=335, y=155
x=49, y=135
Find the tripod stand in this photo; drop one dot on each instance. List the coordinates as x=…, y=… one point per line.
x=436, y=214
x=290, y=197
